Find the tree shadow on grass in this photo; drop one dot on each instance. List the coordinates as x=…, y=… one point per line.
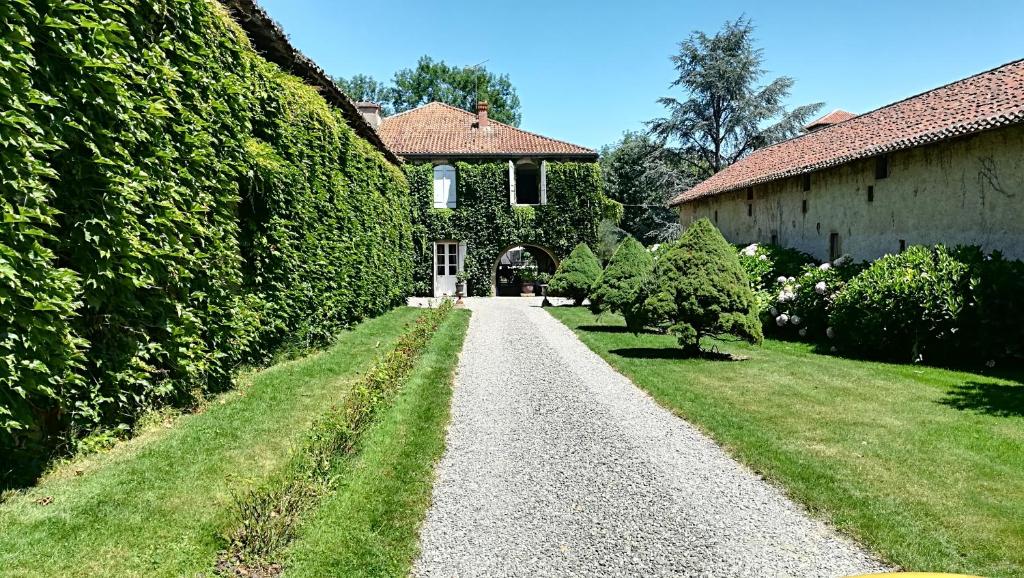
x=998, y=399
x=673, y=353
x=613, y=329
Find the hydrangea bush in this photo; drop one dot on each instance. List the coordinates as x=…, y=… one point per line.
x=800, y=304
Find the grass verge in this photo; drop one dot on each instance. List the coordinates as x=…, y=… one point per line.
x=369, y=525
x=270, y=513
x=156, y=505
x=924, y=465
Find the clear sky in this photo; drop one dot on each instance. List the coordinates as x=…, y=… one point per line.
x=586, y=71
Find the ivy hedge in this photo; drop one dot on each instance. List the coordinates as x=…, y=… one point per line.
x=173, y=206
x=489, y=224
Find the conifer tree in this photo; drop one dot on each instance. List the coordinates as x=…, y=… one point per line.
x=702, y=290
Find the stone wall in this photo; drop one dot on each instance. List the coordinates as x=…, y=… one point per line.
x=964, y=191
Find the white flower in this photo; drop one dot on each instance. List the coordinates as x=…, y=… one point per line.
x=763, y=258
x=795, y=320
x=750, y=250
x=791, y=279
x=774, y=312
x=654, y=247
x=825, y=266
x=990, y=363
x=820, y=287
x=785, y=296
x=803, y=332
x=781, y=279
x=842, y=261
x=831, y=333
x=782, y=320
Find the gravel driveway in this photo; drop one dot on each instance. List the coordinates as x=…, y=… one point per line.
x=556, y=465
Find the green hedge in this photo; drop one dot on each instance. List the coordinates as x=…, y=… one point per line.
x=488, y=223
x=173, y=206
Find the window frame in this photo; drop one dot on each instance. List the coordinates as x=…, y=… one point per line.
x=542, y=181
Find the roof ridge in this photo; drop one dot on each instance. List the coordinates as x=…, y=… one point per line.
x=505, y=125
x=890, y=105
x=929, y=121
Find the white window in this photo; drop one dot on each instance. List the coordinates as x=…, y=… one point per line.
x=444, y=187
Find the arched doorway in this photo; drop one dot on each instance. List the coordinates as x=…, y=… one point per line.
x=519, y=265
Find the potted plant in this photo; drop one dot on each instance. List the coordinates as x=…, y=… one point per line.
x=460, y=283
x=541, y=282
x=527, y=277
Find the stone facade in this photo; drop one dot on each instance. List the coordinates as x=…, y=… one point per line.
x=968, y=190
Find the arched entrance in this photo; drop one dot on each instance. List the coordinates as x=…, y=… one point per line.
x=519, y=265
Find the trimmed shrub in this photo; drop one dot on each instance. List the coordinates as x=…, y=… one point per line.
x=623, y=285
x=576, y=275
x=702, y=290
x=933, y=305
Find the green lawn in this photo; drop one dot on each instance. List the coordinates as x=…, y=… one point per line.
x=157, y=505
x=924, y=465
x=369, y=526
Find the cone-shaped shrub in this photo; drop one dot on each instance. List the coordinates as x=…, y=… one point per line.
x=576, y=275
x=623, y=287
x=701, y=289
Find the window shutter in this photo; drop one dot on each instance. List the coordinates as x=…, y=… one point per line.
x=543, y=182
x=462, y=255
x=439, y=192
x=450, y=187
x=511, y=183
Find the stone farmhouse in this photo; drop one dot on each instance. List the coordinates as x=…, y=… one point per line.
x=945, y=166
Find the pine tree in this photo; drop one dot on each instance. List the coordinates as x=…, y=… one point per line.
x=576, y=275
x=702, y=290
x=623, y=287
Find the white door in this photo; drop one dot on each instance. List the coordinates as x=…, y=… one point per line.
x=446, y=266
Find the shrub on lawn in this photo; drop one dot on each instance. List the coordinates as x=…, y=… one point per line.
x=701, y=289
x=623, y=286
x=933, y=304
x=576, y=275
x=764, y=263
x=799, y=305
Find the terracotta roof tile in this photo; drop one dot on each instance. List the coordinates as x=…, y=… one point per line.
x=440, y=129
x=982, y=102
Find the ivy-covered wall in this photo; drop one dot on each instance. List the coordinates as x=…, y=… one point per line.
x=173, y=206
x=486, y=221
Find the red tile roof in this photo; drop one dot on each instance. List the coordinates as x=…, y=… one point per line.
x=835, y=117
x=440, y=129
x=982, y=102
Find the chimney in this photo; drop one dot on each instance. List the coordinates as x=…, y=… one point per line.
x=481, y=114
x=370, y=112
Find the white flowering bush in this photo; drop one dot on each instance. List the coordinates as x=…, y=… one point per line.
x=802, y=302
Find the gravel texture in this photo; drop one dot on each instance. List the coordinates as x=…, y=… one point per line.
x=556, y=465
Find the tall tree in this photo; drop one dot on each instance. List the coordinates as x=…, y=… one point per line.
x=462, y=87
x=642, y=175
x=726, y=113
x=434, y=80
x=361, y=87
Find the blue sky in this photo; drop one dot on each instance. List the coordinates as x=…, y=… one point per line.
x=587, y=71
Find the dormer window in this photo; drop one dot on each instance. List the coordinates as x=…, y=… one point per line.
x=444, y=187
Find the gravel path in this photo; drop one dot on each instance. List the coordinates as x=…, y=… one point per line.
x=556, y=465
